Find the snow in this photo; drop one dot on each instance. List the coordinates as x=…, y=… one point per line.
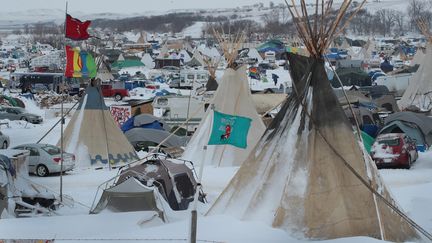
x=411, y=188
x=195, y=30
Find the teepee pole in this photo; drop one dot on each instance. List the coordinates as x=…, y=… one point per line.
x=62, y=124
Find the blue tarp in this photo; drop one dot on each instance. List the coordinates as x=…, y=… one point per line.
x=129, y=124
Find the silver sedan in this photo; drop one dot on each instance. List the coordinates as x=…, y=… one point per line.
x=45, y=159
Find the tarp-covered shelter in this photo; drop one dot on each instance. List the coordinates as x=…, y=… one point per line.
x=146, y=130
x=17, y=194
x=307, y=174
x=351, y=76
x=92, y=134
x=272, y=45
x=423, y=122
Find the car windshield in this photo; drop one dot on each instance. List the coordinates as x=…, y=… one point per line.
x=52, y=150
x=389, y=142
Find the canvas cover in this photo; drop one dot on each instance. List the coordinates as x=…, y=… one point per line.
x=129, y=196
x=175, y=182
x=420, y=85
x=232, y=97
x=295, y=181
x=156, y=136
x=93, y=136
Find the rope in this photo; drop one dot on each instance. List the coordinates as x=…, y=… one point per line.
x=64, y=115
x=356, y=174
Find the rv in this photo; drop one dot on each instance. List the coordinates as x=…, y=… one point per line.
x=396, y=83
x=190, y=79
x=174, y=109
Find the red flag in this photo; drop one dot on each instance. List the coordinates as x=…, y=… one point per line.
x=75, y=29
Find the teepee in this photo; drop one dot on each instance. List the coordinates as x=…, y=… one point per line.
x=419, y=90
x=308, y=174
x=93, y=136
x=232, y=97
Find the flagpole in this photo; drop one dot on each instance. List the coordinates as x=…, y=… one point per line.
x=62, y=119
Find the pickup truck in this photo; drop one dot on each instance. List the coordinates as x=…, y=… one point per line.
x=109, y=91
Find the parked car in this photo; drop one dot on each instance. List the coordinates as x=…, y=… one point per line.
x=4, y=141
x=45, y=159
x=394, y=150
x=18, y=113
x=109, y=91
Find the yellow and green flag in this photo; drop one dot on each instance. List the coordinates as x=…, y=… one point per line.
x=229, y=129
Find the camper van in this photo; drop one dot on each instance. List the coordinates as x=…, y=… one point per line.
x=190, y=79
x=270, y=56
x=174, y=109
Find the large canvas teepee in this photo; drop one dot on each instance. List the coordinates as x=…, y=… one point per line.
x=93, y=136
x=419, y=90
x=306, y=174
x=232, y=97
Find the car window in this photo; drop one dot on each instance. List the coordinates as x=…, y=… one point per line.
x=33, y=151
x=389, y=142
x=52, y=150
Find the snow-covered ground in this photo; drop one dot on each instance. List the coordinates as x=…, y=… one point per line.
x=411, y=188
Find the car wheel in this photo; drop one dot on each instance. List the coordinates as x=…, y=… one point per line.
x=5, y=145
x=117, y=97
x=24, y=118
x=41, y=170
x=408, y=166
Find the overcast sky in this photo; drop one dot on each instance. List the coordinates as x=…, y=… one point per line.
x=124, y=6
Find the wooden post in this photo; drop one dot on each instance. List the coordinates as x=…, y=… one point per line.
x=194, y=214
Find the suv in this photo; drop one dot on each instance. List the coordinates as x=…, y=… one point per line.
x=394, y=150
x=18, y=113
x=109, y=91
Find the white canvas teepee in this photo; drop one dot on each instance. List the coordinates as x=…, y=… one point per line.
x=418, y=57
x=419, y=90
x=232, y=97
x=104, y=72
x=93, y=136
x=308, y=175
x=148, y=61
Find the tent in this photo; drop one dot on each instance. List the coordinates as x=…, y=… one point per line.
x=418, y=57
x=419, y=89
x=104, y=71
x=253, y=53
x=308, y=174
x=272, y=45
x=145, y=130
x=128, y=196
x=410, y=129
x=148, y=61
x=174, y=179
x=421, y=121
x=197, y=60
x=92, y=134
x=17, y=194
x=232, y=97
